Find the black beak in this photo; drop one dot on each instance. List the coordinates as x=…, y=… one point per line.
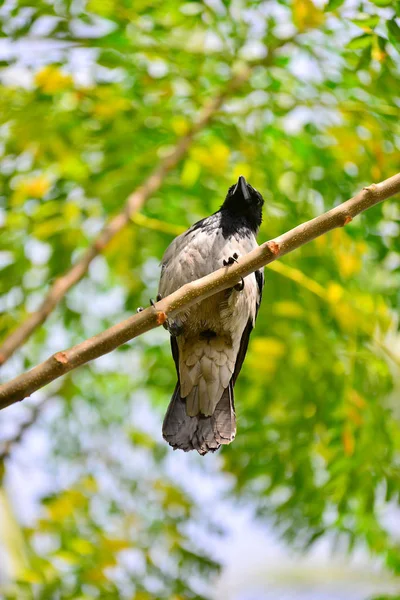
x=241, y=188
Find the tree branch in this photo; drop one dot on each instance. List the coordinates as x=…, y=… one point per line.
x=292, y=273
x=133, y=203
x=191, y=293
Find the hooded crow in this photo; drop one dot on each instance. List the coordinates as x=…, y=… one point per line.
x=209, y=340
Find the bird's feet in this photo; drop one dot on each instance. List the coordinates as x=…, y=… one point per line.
x=234, y=259
x=159, y=297
x=239, y=287
x=174, y=328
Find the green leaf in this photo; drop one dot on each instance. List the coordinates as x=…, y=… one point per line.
x=366, y=21
x=316, y=395
x=383, y=2
x=365, y=58
x=362, y=41
x=394, y=33
x=333, y=5
x=382, y=43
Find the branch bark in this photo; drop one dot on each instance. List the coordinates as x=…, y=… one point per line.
x=191, y=293
x=133, y=204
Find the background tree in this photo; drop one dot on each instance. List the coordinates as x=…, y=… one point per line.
x=303, y=99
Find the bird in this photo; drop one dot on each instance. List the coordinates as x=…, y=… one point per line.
x=209, y=340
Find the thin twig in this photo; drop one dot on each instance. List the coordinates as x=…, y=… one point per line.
x=191, y=293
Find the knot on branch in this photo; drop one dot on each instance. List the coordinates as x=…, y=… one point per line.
x=61, y=358
x=274, y=247
x=161, y=317
x=370, y=189
x=348, y=219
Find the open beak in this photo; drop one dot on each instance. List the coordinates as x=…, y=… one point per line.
x=241, y=188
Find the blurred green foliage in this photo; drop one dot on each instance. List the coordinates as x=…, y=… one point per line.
x=113, y=86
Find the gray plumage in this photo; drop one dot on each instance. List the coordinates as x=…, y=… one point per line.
x=210, y=338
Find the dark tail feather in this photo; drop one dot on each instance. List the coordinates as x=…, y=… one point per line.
x=224, y=418
x=204, y=434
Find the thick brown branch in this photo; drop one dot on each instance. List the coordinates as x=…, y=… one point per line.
x=134, y=202
x=62, y=362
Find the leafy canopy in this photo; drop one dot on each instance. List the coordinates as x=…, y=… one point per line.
x=92, y=97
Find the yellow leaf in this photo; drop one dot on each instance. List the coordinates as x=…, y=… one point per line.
x=34, y=187
x=361, y=247
x=349, y=264
x=354, y=416
x=334, y=292
x=38, y=187
x=377, y=53
x=348, y=441
x=31, y=576
x=71, y=212
x=68, y=557
x=95, y=575
x=16, y=220
x=268, y=347
x=376, y=172
x=321, y=241
x=104, y=8
x=73, y=167
x=51, y=80
x=241, y=169
x=109, y=108
x=48, y=228
x=356, y=399
x=306, y=15
x=46, y=210
x=219, y=153
x=214, y=157
x=115, y=545
x=65, y=505
x=82, y=546
x=180, y=125
x=89, y=483
x=190, y=173
x=300, y=356
x=286, y=308
x=347, y=316
x=200, y=155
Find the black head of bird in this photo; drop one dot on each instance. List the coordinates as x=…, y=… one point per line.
x=245, y=201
